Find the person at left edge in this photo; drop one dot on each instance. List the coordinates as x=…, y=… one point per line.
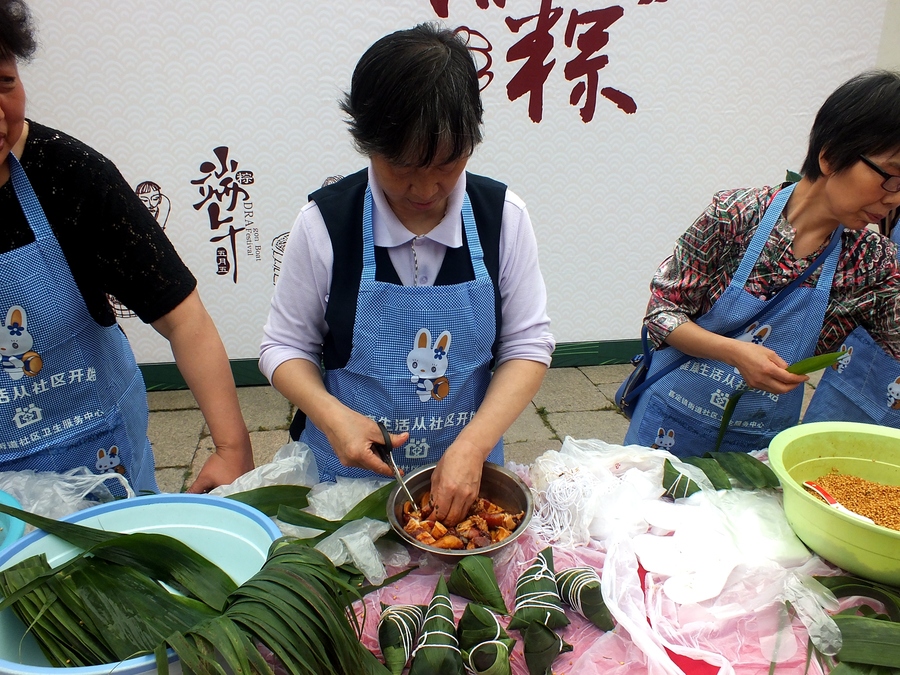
x=74, y=232
x=419, y=283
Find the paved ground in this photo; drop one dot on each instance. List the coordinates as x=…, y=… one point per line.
x=575, y=402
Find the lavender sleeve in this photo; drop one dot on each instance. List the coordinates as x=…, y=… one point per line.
x=525, y=332
x=295, y=327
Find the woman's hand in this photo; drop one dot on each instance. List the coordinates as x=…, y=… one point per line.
x=760, y=367
x=222, y=467
x=455, y=482
x=352, y=437
x=350, y=433
x=763, y=369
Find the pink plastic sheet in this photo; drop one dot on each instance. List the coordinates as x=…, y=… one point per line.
x=733, y=648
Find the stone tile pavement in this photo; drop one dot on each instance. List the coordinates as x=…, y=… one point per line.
x=576, y=402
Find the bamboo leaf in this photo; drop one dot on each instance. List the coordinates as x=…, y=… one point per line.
x=675, y=483
x=437, y=652
x=372, y=506
x=473, y=578
x=845, y=587
x=294, y=516
x=133, y=612
x=537, y=598
x=398, y=631
x=712, y=469
x=542, y=647
x=579, y=587
x=161, y=557
x=870, y=641
x=803, y=367
x=267, y=499
x=862, y=669
x=814, y=363
x=746, y=469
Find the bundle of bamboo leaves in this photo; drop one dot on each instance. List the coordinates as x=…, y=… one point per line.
x=109, y=604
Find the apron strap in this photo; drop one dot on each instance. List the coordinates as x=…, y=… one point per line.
x=761, y=236
x=31, y=207
x=476, y=253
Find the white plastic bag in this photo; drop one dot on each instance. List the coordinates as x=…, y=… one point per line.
x=333, y=501
x=54, y=495
x=293, y=464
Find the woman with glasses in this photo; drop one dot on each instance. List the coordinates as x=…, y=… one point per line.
x=723, y=311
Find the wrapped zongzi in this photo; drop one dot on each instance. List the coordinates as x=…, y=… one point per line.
x=398, y=631
x=437, y=652
x=473, y=578
x=542, y=646
x=485, y=645
x=537, y=598
x=579, y=587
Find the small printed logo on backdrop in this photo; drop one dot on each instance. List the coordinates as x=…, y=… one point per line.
x=280, y=242
x=159, y=206
x=537, y=24
x=224, y=193
x=278, y=245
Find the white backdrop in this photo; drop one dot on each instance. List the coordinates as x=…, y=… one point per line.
x=724, y=93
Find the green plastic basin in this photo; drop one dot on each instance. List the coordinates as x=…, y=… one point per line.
x=868, y=451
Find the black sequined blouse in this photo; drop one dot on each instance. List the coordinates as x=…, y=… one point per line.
x=111, y=241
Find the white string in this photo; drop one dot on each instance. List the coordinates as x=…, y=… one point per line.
x=561, y=509
x=573, y=581
x=437, y=602
x=548, y=599
x=405, y=617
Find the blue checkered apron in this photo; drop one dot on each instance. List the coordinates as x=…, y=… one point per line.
x=682, y=411
x=71, y=393
x=864, y=386
x=409, y=381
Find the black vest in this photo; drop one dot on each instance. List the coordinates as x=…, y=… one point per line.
x=341, y=206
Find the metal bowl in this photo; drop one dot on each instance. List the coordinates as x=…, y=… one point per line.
x=499, y=485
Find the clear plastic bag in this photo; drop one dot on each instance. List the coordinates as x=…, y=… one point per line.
x=293, y=464
x=55, y=495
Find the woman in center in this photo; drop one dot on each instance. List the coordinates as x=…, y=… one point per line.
x=410, y=292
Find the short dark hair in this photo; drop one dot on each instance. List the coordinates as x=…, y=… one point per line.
x=16, y=31
x=861, y=117
x=414, y=98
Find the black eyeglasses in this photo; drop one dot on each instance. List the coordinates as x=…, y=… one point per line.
x=891, y=181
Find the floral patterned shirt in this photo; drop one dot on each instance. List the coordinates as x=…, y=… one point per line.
x=865, y=291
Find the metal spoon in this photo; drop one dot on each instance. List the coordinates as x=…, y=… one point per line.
x=834, y=503
x=384, y=452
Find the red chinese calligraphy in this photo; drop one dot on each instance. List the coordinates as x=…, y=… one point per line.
x=442, y=7
x=586, y=31
x=587, y=65
x=533, y=48
x=481, y=50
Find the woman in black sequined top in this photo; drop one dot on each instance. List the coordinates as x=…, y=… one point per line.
x=113, y=246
